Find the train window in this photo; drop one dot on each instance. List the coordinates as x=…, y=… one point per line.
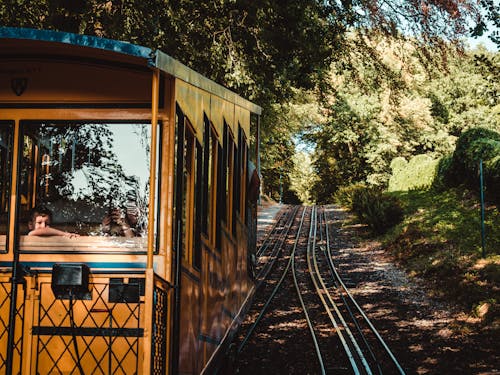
x=229, y=148
x=236, y=185
x=198, y=206
x=207, y=158
x=6, y=136
x=219, y=203
x=188, y=166
x=93, y=178
x=178, y=227
x=242, y=160
x=188, y=193
x=254, y=139
x=209, y=178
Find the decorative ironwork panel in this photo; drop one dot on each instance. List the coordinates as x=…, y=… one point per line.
x=159, y=339
x=97, y=336
x=5, y=298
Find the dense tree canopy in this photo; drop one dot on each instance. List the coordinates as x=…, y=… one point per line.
x=299, y=56
x=259, y=47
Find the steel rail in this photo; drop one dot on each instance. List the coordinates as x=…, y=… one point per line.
x=346, y=304
x=304, y=308
x=276, y=231
x=278, y=243
x=267, y=239
x=276, y=288
x=331, y=307
x=360, y=310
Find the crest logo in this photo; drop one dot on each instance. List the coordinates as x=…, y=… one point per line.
x=19, y=85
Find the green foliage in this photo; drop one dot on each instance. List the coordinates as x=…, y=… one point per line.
x=345, y=195
x=473, y=145
x=381, y=212
x=302, y=176
x=291, y=197
x=419, y=172
x=443, y=173
x=440, y=239
x=268, y=51
x=416, y=109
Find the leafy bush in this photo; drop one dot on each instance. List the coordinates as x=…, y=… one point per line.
x=344, y=194
x=473, y=145
x=418, y=173
x=379, y=211
x=443, y=172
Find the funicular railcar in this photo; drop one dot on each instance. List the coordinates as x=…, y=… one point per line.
x=145, y=168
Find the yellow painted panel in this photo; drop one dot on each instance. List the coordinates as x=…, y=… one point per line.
x=242, y=116
x=222, y=110
x=5, y=288
x=53, y=350
x=193, y=102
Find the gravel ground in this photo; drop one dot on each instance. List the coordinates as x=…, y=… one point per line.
x=421, y=331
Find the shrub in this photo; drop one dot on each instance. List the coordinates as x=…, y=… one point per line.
x=444, y=175
x=473, y=145
x=418, y=173
x=344, y=195
x=381, y=212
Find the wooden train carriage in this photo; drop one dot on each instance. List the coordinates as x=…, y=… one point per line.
x=149, y=163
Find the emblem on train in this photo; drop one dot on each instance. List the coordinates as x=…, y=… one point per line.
x=19, y=85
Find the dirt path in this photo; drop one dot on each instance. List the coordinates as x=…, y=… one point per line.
x=424, y=333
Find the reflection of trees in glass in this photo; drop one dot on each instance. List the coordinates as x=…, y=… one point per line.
x=66, y=152
x=80, y=163
x=5, y=147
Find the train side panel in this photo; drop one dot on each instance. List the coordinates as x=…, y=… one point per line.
x=74, y=112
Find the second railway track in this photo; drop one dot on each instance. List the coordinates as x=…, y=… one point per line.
x=304, y=320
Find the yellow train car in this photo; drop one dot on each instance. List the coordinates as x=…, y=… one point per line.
x=127, y=218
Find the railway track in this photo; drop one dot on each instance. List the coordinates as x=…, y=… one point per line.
x=303, y=293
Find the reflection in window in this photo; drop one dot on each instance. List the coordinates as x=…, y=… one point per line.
x=94, y=178
x=209, y=180
x=6, y=134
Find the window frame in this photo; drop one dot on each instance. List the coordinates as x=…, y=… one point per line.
x=86, y=243
x=6, y=182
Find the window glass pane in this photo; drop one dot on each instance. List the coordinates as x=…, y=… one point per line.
x=198, y=185
x=205, y=176
x=92, y=177
x=211, y=191
x=6, y=135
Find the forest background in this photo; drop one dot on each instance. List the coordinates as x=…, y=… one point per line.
x=346, y=86
x=355, y=93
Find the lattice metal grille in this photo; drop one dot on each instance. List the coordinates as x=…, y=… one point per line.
x=159, y=340
x=4, y=323
x=5, y=297
x=108, y=334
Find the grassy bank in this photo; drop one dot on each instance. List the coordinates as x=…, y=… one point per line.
x=439, y=240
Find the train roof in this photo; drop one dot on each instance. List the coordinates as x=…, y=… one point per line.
x=123, y=50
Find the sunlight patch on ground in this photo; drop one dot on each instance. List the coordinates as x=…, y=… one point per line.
x=368, y=288
x=445, y=332
x=289, y=325
x=428, y=323
x=416, y=348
